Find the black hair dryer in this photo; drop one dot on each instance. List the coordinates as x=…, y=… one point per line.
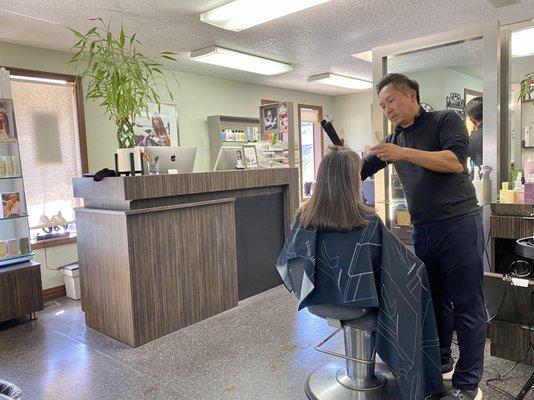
x=331, y=132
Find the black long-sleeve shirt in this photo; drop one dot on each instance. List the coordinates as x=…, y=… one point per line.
x=475, y=146
x=431, y=196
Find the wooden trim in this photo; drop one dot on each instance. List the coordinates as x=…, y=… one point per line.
x=41, y=244
x=264, y=102
x=141, y=187
x=82, y=133
x=54, y=293
x=320, y=117
x=41, y=74
x=155, y=209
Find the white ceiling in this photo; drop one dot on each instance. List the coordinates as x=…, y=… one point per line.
x=317, y=40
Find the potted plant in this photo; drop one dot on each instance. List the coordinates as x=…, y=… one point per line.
x=121, y=79
x=526, y=88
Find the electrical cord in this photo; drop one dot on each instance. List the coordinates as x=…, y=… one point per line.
x=527, y=332
x=58, y=268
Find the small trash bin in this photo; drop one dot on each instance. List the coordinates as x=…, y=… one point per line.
x=71, y=273
x=9, y=390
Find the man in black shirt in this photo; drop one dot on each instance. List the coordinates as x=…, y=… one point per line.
x=474, y=110
x=429, y=151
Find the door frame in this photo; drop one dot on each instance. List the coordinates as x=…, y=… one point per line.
x=300, y=107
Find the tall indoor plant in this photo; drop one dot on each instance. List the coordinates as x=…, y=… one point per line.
x=526, y=87
x=120, y=78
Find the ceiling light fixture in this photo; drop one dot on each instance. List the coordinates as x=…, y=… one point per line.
x=341, y=81
x=522, y=43
x=38, y=80
x=242, y=14
x=365, y=56
x=237, y=60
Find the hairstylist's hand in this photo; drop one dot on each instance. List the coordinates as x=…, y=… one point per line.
x=388, y=152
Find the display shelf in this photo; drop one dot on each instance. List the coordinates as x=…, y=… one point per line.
x=16, y=258
x=14, y=224
x=14, y=217
x=220, y=123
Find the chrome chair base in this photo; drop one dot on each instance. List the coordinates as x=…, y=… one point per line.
x=330, y=382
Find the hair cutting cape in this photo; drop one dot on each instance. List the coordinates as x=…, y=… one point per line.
x=370, y=267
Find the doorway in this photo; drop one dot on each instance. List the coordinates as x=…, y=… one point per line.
x=310, y=146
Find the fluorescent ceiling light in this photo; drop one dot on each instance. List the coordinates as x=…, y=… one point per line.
x=365, y=56
x=242, y=14
x=234, y=59
x=38, y=80
x=522, y=43
x=341, y=81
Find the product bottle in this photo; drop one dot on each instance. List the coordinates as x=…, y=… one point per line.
x=506, y=196
x=477, y=183
x=529, y=190
x=15, y=161
x=8, y=165
x=519, y=191
x=486, y=184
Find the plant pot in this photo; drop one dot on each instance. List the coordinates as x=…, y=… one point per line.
x=123, y=159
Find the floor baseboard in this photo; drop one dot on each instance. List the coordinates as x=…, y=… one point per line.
x=54, y=293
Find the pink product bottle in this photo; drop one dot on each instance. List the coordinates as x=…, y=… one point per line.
x=529, y=167
x=529, y=190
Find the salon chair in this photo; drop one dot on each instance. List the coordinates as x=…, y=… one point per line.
x=359, y=378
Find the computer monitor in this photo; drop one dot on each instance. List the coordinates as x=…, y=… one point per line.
x=227, y=159
x=180, y=158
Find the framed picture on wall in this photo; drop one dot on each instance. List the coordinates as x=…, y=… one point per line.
x=250, y=156
x=269, y=118
x=10, y=205
x=7, y=121
x=158, y=128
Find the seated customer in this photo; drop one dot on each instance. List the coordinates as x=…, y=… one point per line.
x=350, y=258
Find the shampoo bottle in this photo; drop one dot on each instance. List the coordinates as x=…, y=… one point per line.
x=529, y=189
x=519, y=191
x=477, y=183
x=486, y=184
x=506, y=196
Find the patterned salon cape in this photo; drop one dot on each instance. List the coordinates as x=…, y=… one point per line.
x=370, y=267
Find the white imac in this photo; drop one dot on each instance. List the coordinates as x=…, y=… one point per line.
x=181, y=158
x=229, y=158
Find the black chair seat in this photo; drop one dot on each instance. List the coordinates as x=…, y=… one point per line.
x=354, y=317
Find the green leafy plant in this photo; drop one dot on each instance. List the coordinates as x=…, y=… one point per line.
x=526, y=87
x=119, y=76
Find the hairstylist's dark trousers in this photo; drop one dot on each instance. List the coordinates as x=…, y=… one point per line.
x=452, y=251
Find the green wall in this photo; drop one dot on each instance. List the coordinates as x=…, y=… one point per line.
x=197, y=97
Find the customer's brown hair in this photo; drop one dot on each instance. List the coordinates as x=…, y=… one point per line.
x=336, y=203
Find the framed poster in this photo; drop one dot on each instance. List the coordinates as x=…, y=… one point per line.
x=7, y=121
x=10, y=205
x=158, y=128
x=251, y=157
x=269, y=118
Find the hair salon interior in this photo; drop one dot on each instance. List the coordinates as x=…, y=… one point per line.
x=176, y=221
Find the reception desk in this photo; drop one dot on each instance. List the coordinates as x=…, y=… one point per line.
x=161, y=252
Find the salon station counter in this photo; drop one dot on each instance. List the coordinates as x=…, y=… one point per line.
x=161, y=252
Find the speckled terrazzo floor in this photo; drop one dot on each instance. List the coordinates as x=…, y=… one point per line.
x=262, y=349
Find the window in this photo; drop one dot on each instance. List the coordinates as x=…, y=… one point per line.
x=52, y=152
